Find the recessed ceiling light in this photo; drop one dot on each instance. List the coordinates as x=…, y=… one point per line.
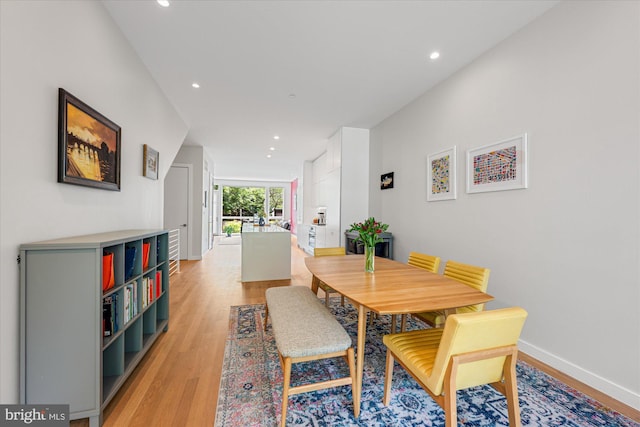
x=163, y=3
x=292, y=95
x=276, y=137
x=434, y=55
x=195, y=85
x=268, y=156
x=272, y=148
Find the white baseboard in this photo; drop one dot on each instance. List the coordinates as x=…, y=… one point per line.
x=621, y=394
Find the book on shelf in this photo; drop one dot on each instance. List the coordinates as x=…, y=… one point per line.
x=130, y=302
x=129, y=261
x=158, y=283
x=110, y=323
x=108, y=279
x=107, y=317
x=146, y=248
x=114, y=309
x=147, y=291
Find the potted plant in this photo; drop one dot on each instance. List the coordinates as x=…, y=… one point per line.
x=228, y=229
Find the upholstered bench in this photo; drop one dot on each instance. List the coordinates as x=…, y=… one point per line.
x=305, y=330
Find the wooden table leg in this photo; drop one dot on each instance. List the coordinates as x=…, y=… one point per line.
x=362, y=331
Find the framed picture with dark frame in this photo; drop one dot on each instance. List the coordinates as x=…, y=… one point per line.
x=150, y=162
x=88, y=145
x=386, y=181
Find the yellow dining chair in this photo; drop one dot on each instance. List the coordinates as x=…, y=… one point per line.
x=476, y=277
x=472, y=349
x=428, y=262
x=317, y=283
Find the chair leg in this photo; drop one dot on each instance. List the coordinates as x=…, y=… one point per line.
x=393, y=324
x=388, y=378
x=511, y=390
x=342, y=301
x=286, y=370
x=449, y=390
x=403, y=323
x=266, y=316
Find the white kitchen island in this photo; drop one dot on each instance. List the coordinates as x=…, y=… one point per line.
x=266, y=253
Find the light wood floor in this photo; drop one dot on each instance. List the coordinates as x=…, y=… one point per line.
x=177, y=382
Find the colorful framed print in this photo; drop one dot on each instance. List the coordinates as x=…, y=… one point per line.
x=88, y=145
x=497, y=167
x=441, y=175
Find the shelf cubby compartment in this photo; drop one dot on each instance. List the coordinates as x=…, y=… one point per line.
x=112, y=365
x=118, y=262
x=149, y=322
x=133, y=337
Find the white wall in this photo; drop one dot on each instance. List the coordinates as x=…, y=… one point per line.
x=354, y=184
x=567, y=248
x=76, y=46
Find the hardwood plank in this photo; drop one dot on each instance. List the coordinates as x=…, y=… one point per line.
x=177, y=382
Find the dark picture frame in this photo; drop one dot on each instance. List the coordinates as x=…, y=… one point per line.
x=386, y=181
x=88, y=145
x=150, y=162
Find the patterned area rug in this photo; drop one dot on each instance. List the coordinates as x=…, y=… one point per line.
x=251, y=387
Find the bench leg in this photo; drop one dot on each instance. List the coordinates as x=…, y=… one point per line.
x=314, y=284
x=351, y=360
x=286, y=370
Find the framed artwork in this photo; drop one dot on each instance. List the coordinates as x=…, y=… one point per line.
x=441, y=175
x=499, y=166
x=386, y=181
x=150, y=159
x=88, y=145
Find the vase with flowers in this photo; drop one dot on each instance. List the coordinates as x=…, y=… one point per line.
x=369, y=233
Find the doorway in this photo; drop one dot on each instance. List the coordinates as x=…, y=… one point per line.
x=177, y=195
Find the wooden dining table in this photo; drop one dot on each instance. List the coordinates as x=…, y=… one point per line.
x=393, y=288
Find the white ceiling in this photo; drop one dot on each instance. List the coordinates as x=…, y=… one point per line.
x=349, y=63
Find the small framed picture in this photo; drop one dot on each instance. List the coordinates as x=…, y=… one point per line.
x=497, y=167
x=441, y=175
x=150, y=162
x=386, y=181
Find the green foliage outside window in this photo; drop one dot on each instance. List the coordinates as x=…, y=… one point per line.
x=242, y=201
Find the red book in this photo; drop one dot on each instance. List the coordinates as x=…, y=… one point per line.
x=145, y=254
x=108, y=279
x=158, y=283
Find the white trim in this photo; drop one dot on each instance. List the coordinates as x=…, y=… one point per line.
x=622, y=394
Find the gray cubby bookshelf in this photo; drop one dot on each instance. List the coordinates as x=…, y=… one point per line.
x=65, y=357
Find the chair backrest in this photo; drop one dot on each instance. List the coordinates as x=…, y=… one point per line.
x=329, y=251
x=476, y=277
x=472, y=332
x=428, y=262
